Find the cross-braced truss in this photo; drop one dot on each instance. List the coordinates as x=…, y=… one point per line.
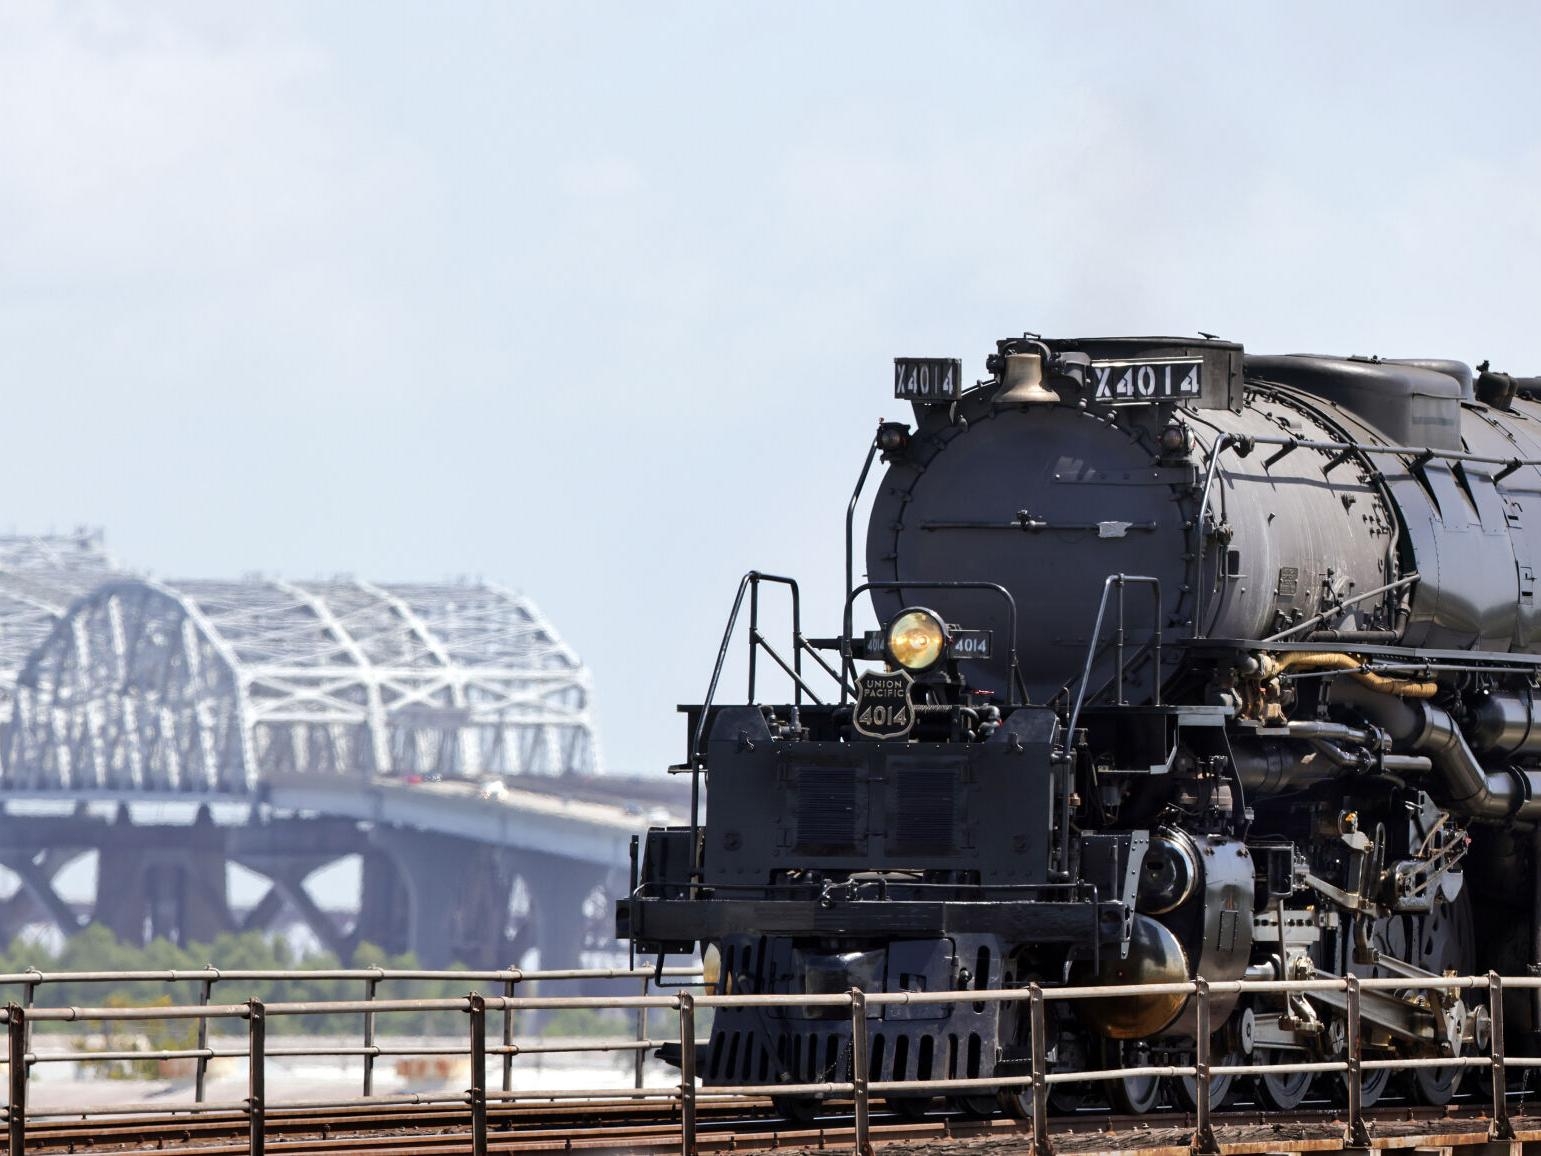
x=211, y=686
x=40, y=576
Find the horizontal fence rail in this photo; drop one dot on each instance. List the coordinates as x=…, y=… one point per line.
x=253, y=1016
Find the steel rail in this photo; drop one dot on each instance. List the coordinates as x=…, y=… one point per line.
x=1451, y=1128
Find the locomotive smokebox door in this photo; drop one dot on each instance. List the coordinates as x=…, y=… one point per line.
x=883, y=708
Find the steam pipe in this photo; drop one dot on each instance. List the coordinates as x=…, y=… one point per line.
x=1510, y=792
x=1270, y=766
x=1367, y=637
x=1354, y=667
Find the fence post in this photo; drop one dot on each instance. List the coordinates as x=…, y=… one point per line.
x=859, y=1094
x=1358, y=1137
x=256, y=1074
x=687, y=1074
x=16, y=1112
x=1501, y=1128
x=478, y=1090
x=371, y=986
x=30, y=998
x=1204, y=1138
x=1036, y=1021
x=638, y=1060
x=509, y=986
x=201, y=1073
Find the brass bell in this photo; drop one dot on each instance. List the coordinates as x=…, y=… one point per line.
x=1022, y=382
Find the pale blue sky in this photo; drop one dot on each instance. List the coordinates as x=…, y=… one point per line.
x=598, y=300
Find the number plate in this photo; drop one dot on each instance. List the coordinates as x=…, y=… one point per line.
x=937, y=379
x=972, y=644
x=883, y=708
x=1140, y=382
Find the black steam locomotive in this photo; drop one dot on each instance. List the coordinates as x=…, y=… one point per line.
x=1193, y=663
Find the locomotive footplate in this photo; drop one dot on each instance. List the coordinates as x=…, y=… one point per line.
x=674, y=921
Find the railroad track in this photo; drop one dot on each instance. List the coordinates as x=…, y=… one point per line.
x=748, y=1125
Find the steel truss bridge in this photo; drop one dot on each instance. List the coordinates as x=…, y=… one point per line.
x=287, y=724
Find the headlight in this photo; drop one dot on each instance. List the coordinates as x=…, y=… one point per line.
x=917, y=639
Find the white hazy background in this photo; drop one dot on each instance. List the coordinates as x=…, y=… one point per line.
x=599, y=300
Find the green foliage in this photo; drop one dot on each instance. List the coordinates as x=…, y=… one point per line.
x=94, y=948
x=141, y=1036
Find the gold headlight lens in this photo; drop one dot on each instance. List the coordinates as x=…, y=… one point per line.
x=917, y=639
x=711, y=969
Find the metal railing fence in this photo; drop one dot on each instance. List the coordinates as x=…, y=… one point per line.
x=20, y=1056
x=686, y=1095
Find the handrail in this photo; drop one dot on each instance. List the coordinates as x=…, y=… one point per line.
x=1224, y=442
x=1351, y=1063
x=850, y=517
x=1092, y=647
x=1423, y=452
x=1337, y=607
x=749, y=583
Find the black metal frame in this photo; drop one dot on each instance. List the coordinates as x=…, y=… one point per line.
x=750, y=584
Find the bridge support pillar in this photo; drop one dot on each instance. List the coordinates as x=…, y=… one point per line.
x=146, y=889
x=444, y=877
x=458, y=901
x=384, y=915
x=122, y=901
x=559, y=888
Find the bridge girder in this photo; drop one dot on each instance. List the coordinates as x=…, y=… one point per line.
x=214, y=686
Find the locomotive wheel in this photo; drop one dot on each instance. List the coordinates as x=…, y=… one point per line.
x=1068, y=1099
x=1016, y=1102
x=1437, y=1086
x=974, y=1107
x=1132, y=1095
x=1285, y=1091
x=1372, y=1086
x=1444, y=943
x=797, y=1110
x=910, y=1108
x=1187, y=1089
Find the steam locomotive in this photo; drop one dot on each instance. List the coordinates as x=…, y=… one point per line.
x=1192, y=663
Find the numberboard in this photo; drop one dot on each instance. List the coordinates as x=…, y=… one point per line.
x=928, y=378
x=978, y=644
x=1139, y=382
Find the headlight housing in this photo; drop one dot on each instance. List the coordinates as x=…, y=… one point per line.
x=917, y=639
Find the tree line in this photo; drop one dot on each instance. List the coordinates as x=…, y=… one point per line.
x=95, y=948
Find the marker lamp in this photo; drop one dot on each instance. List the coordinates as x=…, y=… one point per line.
x=917, y=639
